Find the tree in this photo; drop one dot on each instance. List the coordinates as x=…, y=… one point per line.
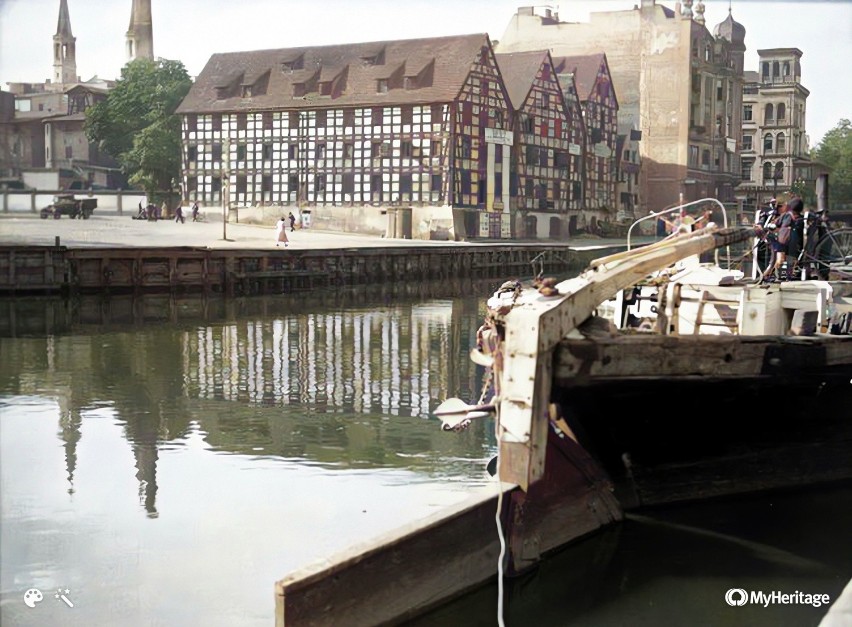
x=137, y=124
x=835, y=151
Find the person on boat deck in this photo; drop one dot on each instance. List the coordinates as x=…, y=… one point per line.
x=779, y=249
x=796, y=209
x=683, y=223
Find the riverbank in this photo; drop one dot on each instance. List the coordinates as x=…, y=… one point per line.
x=114, y=230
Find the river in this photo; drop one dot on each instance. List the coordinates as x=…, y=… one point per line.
x=165, y=460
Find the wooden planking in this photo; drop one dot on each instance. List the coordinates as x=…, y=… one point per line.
x=581, y=362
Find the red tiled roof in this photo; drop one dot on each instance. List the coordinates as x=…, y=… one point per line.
x=452, y=57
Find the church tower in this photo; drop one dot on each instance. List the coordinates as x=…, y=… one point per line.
x=64, y=52
x=140, y=34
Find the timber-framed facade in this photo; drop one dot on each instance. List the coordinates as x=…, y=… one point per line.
x=345, y=129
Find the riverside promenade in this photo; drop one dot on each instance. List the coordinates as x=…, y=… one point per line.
x=115, y=253
x=112, y=230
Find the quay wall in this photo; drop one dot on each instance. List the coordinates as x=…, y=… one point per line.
x=57, y=269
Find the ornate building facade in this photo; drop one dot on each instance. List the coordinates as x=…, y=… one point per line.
x=680, y=84
x=775, y=147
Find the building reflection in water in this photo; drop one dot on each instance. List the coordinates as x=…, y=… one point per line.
x=392, y=362
x=281, y=376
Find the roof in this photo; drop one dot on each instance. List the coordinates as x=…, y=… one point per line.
x=337, y=75
x=519, y=70
x=584, y=68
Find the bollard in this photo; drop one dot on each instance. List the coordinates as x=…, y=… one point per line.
x=57, y=242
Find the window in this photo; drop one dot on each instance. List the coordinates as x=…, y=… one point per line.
x=765, y=69
x=693, y=156
x=747, y=113
x=216, y=184
x=192, y=184
x=529, y=124
x=377, y=116
x=69, y=152
x=465, y=147
x=786, y=68
x=776, y=69
x=348, y=150
x=267, y=120
x=465, y=181
x=767, y=143
x=747, y=145
x=767, y=171
x=192, y=153
x=217, y=121
x=349, y=183
x=436, y=182
x=405, y=149
x=292, y=182
x=782, y=112
x=294, y=119
x=319, y=183
x=293, y=151
x=322, y=119
x=532, y=155
x=241, y=184
x=376, y=186
x=267, y=152
x=382, y=86
x=405, y=184
x=437, y=114
x=242, y=121
x=266, y=185
x=780, y=143
x=768, y=114
x=436, y=148
x=376, y=150
x=241, y=152
x=407, y=114
x=705, y=158
x=320, y=151
x=349, y=117
x=779, y=171
x=192, y=123
x=216, y=152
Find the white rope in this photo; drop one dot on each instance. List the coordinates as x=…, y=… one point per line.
x=498, y=431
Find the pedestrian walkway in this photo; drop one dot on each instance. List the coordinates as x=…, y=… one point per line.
x=113, y=230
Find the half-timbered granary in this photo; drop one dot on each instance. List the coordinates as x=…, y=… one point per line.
x=597, y=98
x=350, y=131
x=548, y=146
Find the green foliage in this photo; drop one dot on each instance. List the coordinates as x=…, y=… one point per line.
x=835, y=151
x=137, y=122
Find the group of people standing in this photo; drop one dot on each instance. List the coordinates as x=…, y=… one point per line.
x=788, y=233
x=152, y=212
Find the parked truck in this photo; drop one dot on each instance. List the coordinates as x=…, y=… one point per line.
x=68, y=205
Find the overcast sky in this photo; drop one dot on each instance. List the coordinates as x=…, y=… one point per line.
x=192, y=30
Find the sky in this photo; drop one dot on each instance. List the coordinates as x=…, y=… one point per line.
x=192, y=30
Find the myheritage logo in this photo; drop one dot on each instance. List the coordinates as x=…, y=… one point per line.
x=736, y=597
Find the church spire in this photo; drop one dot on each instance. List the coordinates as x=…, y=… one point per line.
x=64, y=49
x=140, y=33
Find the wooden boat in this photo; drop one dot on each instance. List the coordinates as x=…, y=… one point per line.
x=682, y=379
x=722, y=386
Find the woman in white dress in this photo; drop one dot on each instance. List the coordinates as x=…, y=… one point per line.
x=281, y=232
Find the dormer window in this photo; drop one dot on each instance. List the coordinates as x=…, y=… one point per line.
x=410, y=82
x=247, y=91
x=290, y=65
x=382, y=86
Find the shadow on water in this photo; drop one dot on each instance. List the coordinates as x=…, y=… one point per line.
x=673, y=566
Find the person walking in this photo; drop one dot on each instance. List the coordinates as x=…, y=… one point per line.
x=281, y=232
x=195, y=211
x=292, y=219
x=179, y=214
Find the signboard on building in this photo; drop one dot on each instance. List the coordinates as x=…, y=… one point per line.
x=602, y=150
x=499, y=136
x=574, y=149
